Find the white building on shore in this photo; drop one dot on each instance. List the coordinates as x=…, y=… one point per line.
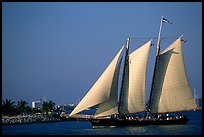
x=36, y=104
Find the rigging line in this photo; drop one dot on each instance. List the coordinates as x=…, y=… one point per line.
x=143, y=38
x=170, y=37
x=166, y=42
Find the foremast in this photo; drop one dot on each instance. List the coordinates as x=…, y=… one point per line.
x=124, y=71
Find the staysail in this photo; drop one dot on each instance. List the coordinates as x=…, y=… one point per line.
x=134, y=88
x=100, y=91
x=110, y=106
x=171, y=91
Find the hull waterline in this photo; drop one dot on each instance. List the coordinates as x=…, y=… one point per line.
x=127, y=122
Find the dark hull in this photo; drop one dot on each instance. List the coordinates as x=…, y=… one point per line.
x=126, y=122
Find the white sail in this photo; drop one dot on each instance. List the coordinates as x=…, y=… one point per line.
x=110, y=106
x=100, y=91
x=134, y=88
x=171, y=91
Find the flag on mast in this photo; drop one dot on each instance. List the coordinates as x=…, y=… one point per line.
x=183, y=41
x=165, y=20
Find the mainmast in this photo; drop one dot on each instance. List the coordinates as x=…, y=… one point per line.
x=124, y=68
x=156, y=62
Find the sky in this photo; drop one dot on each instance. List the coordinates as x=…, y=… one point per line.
x=58, y=50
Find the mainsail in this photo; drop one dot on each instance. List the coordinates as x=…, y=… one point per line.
x=171, y=91
x=134, y=88
x=101, y=90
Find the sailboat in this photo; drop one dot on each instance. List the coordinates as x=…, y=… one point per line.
x=170, y=90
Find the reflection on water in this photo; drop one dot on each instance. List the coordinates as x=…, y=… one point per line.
x=193, y=127
x=149, y=130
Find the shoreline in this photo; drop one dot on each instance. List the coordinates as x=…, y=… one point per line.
x=14, y=120
x=32, y=119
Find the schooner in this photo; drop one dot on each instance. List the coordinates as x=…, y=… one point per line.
x=170, y=90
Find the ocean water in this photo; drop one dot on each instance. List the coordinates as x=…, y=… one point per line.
x=193, y=127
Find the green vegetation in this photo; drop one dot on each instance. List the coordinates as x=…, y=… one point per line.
x=47, y=107
x=9, y=108
x=22, y=108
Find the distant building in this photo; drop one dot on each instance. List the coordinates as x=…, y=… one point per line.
x=36, y=104
x=65, y=107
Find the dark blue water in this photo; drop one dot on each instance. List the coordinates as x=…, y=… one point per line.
x=193, y=127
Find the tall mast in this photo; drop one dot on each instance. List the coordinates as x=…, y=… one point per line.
x=125, y=65
x=156, y=62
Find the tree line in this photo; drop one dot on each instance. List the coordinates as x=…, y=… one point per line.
x=10, y=108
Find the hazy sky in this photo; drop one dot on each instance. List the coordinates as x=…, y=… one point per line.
x=59, y=50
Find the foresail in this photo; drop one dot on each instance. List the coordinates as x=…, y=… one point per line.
x=133, y=99
x=100, y=91
x=110, y=106
x=171, y=91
